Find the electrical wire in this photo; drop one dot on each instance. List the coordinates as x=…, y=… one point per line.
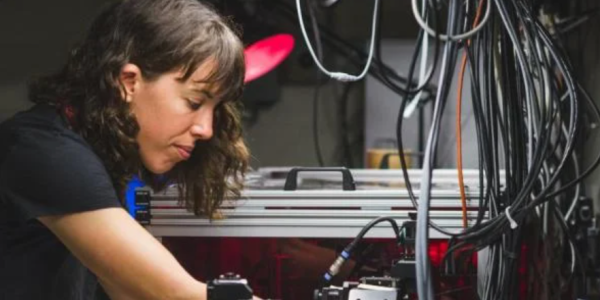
x=348, y=159
x=526, y=111
x=527, y=114
x=315, y=124
x=423, y=269
x=448, y=37
x=354, y=54
x=315, y=114
x=340, y=75
x=461, y=76
x=347, y=252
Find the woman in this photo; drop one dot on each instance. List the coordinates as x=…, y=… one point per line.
x=151, y=91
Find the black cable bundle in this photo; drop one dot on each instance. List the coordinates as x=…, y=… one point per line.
x=526, y=110
x=526, y=106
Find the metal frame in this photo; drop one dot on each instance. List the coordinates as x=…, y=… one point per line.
x=316, y=213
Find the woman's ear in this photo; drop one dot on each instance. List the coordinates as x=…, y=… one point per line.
x=130, y=78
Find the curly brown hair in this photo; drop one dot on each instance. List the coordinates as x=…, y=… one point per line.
x=158, y=36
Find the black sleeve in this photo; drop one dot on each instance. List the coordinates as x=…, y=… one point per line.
x=51, y=172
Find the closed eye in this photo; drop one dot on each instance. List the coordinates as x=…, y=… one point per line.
x=193, y=104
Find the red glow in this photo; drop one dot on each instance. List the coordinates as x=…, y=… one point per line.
x=266, y=54
x=290, y=268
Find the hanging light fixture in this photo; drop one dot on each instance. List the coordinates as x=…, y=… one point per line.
x=266, y=54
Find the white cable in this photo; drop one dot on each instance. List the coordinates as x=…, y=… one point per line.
x=564, y=96
x=577, y=186
x=572, y=257
x=340, y=75
x=573, y=203
x=412, y=105
x=446, y=37
x=498, y=79
x=513, y=224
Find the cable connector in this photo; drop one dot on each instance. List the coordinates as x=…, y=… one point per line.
x=336, y=266
x=344, y=77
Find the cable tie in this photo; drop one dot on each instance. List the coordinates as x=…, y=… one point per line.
x=513, y=224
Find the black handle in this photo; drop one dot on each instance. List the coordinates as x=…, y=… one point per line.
x=292, y=177
x=385, y=160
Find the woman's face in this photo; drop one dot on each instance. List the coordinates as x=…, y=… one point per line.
x=172, y=114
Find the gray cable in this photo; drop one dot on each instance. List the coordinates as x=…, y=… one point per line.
x=423, y=268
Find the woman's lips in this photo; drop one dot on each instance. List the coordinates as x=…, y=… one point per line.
x=184, y=152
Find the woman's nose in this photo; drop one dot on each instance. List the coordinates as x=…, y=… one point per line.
x=202, y=131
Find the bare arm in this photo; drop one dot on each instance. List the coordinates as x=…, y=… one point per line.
x=128, y=261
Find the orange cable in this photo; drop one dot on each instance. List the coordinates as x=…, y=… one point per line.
x=461, y=183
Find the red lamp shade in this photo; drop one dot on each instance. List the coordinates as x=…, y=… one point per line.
x=266, y=54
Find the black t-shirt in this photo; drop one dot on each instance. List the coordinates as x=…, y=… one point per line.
x=46, y=169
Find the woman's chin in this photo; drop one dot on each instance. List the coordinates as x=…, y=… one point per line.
x=159, y=168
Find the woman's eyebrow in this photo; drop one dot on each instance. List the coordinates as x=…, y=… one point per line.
x=203, y=92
